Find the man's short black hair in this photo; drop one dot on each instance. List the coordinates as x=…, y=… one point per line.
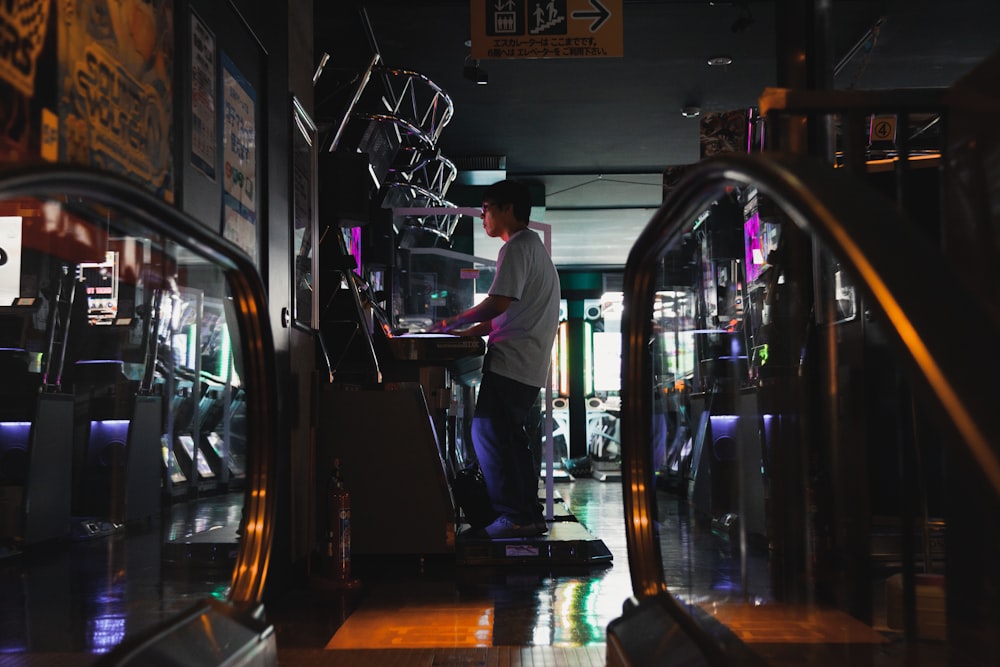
x=510, y=192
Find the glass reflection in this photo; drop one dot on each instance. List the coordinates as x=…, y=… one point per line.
x=122, y=418
x=728, y=337
x=781, y=423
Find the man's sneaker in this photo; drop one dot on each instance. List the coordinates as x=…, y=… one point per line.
x=503, y=528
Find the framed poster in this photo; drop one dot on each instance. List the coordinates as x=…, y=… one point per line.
x=239, y=140
x=27, y=50
x=304, y=261
x=115, y=75
x=203, y=94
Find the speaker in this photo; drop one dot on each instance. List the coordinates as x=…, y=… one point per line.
x=591, y=309
x=724, y=227
x=345, y=189
x=378, y=240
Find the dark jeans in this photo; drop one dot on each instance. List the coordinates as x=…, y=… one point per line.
x=503, y=449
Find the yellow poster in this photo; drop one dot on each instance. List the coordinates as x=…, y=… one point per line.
x=115, y=97
x=24, y=25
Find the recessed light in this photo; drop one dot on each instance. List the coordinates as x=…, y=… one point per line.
x=720, y=61
x=690, y=111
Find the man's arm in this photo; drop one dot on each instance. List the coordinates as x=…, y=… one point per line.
x=477, y=330
x=479, y=315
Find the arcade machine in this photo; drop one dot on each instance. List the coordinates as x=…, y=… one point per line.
x=726, y=485
x=35, y=433
x=384, y=417
x=602, y=384
x=86, y=465
x=427, y=383
x=220, y=397
x=203, y=445
x=46, y=444
x=205, y=453
x=183, y=370
x=116, y=417
x=673, y=373
x=391, y=399
x=203, y=433
x=455, y=282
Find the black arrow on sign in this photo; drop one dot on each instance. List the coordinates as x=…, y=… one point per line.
x=601, y=14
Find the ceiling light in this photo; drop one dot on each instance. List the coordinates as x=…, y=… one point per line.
x=720, y=61
x=690, y=111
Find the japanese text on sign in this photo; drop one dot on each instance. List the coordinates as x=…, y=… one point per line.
x=546, y=28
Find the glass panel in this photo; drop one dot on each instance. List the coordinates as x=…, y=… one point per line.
x=781, y=428
x=724, y=326
x=122, y=417
x=433, y=283
x=303, y=263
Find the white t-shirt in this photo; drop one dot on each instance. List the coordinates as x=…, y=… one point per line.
x=520, y=343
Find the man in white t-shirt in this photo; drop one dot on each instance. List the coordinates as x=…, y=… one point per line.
x=520, y=315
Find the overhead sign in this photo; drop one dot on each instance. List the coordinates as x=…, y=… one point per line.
x=546, y=29
x=883, y=129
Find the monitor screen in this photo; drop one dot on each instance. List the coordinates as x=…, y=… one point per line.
x=101, y=282
x=760, y=239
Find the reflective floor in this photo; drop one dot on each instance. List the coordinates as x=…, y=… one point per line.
x=413, y=605
x=68, y=605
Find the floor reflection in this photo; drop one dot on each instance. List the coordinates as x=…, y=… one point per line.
x=86, y=596
x=79, y=599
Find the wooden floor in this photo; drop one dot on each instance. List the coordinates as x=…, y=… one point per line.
x=501, y=656
x=436, y=611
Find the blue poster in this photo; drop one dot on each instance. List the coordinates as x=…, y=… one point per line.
x=239, y=177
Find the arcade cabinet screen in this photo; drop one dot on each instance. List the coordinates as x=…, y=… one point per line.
x=760, y=239
x=101, y=281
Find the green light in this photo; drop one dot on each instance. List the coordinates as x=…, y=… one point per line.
x=225, y=352
x=221, y=592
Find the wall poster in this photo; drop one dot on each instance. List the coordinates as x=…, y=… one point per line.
x=25, y=33
x=203, y=93
x=239, y=193
x=305, y=261
x=115, y=73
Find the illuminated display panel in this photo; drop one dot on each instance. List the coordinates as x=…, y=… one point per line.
x=101, y=282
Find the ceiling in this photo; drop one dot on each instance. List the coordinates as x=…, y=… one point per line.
x=596, y=133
